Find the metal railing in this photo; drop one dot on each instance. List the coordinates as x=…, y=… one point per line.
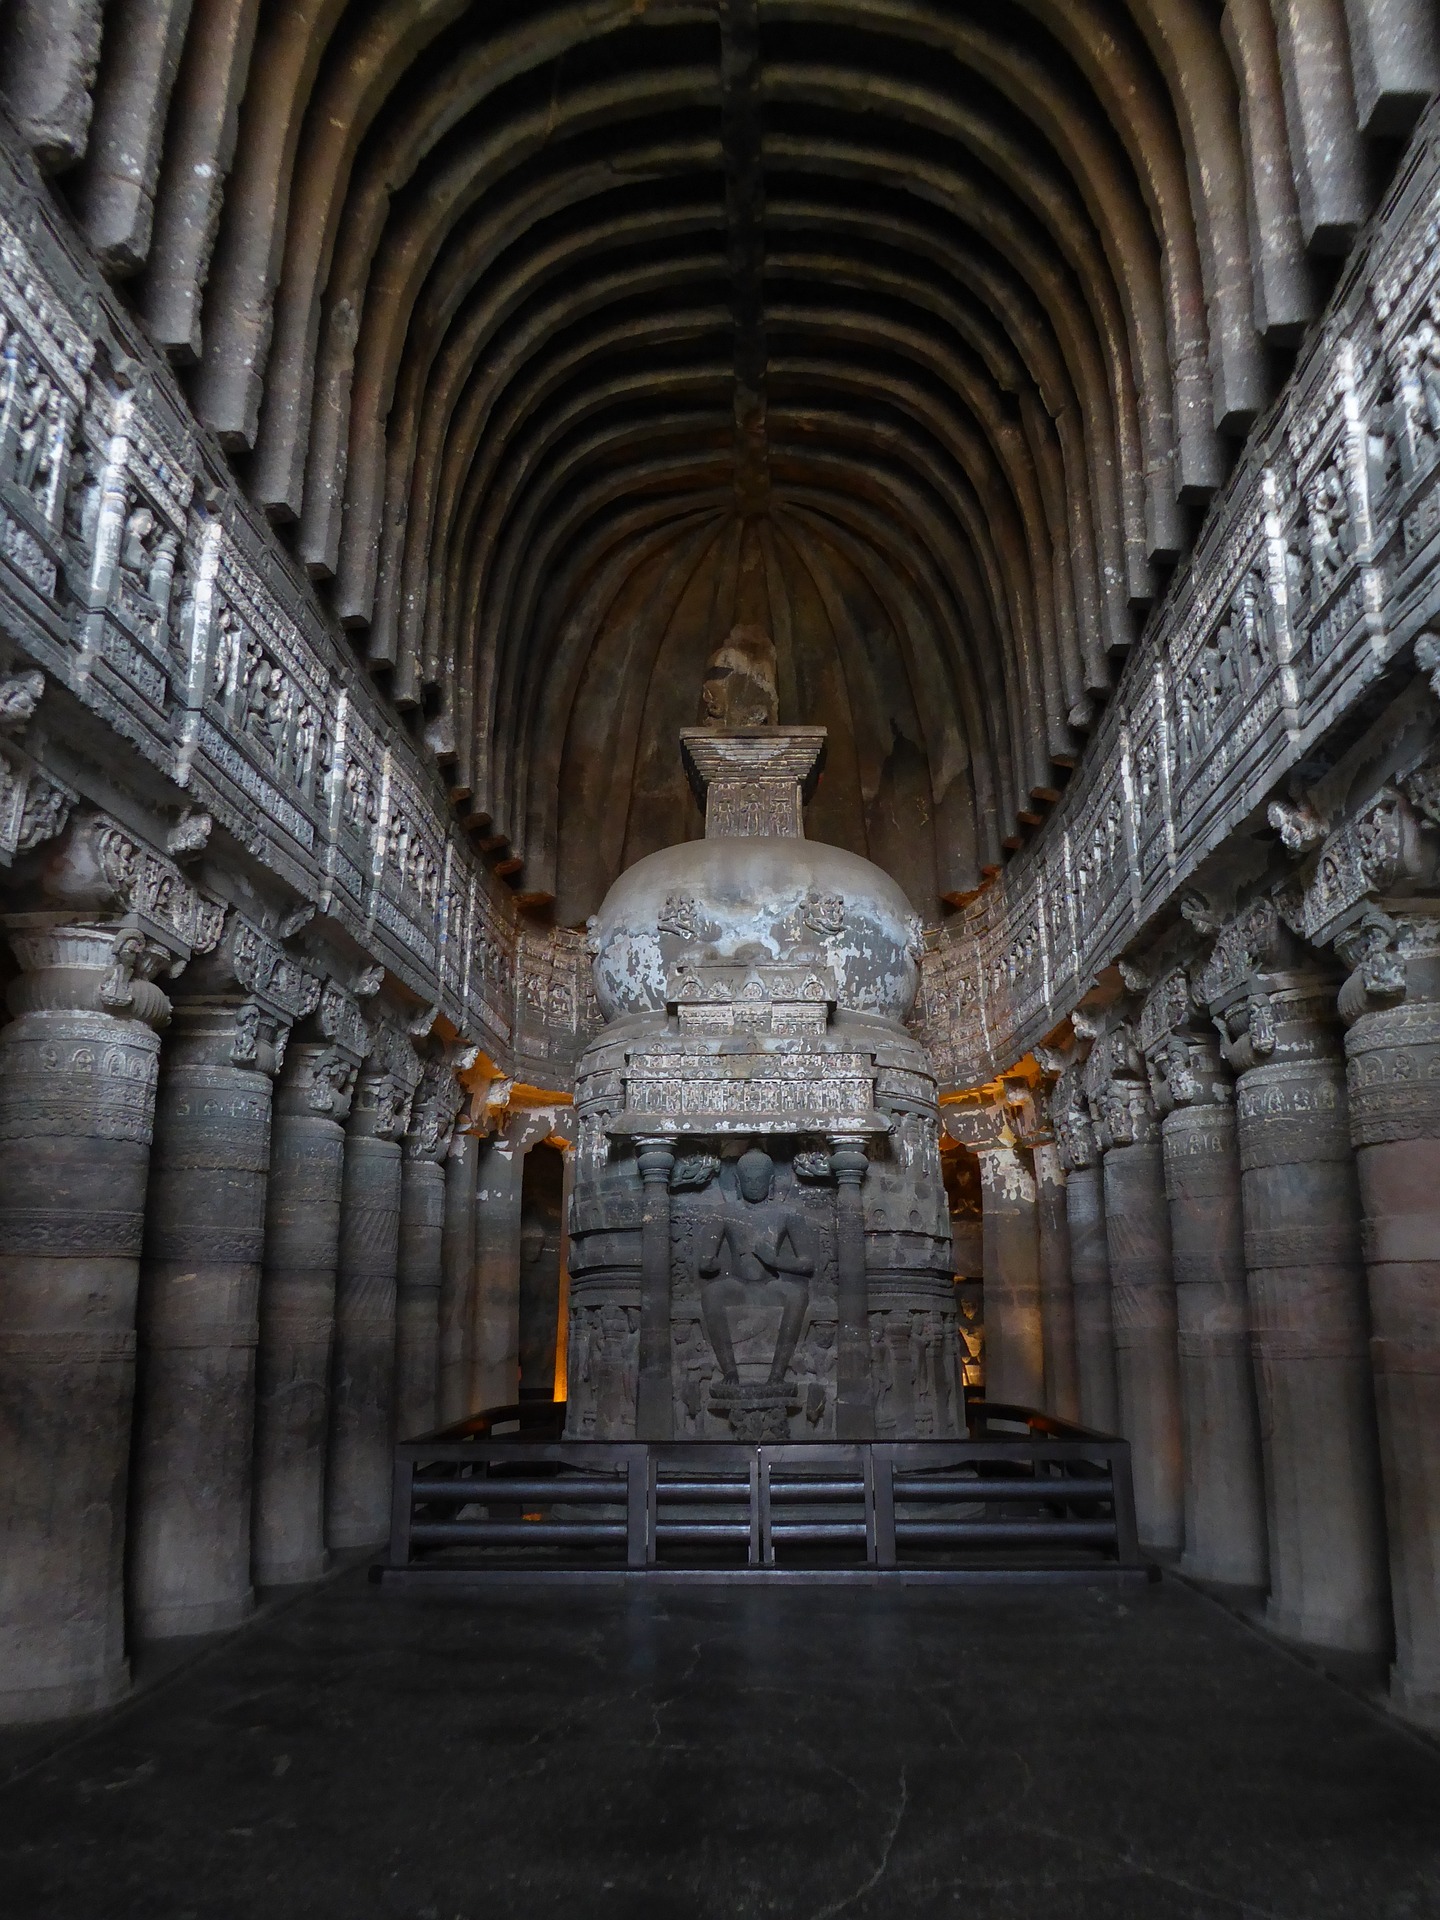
x=476, y=1504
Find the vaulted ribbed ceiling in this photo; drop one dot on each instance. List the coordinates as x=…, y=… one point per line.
x=561, y=337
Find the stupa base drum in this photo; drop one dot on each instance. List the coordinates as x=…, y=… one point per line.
x=759, y=1236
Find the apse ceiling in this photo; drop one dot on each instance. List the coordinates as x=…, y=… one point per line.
x=560, y=338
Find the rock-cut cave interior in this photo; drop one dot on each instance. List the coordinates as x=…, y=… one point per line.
x=720, y=928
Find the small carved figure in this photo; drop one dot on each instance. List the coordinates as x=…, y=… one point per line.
x=754, y=1251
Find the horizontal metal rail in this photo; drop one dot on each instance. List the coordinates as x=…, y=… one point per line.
x=476, y=1500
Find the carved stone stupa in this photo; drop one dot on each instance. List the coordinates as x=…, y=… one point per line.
x=760, y=1242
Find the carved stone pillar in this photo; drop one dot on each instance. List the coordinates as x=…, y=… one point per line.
x=421, y=1256
x=1308, y=1312
x=1224, y=1484
x=1142, y=1284
x=78, y=1069
x=457, y=1278
x=1057, y=1292
x=297, y=1292
x=362, y=1377
x=495, y=1329
x=654, y=1408
x=854, y=1396
x=1089, y=1252
x=1392, y=1004
x=1014, y=1330
x=191, y=1483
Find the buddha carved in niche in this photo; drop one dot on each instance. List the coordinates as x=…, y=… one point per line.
x=739, y=686
x=752, y=1253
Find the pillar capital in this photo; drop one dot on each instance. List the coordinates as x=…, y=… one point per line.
x=1117, y=1088
x=434, y=1110
x=655, y=1156
x=247, y=992
x=1181, y=1047
x=386, y=1084
x=102, y=870
x=849, y=1158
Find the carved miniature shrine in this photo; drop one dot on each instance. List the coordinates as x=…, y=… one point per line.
x=760, y=1239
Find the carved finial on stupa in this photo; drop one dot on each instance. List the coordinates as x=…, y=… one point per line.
x=751, y=776
x=739, y=685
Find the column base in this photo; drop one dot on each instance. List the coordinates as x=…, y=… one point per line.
x=294, y=1573
x=1238, y=1575
x=354, y=1539
x=1345, y=1640
x=27, y=1706
x=201, y=1616
x=1418, y=1704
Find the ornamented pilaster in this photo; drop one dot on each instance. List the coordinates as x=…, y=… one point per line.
x=192, y=1479
x=78, y=1069
x=1194, y=1094
x=1089, y=1248
x=362, y=1392
x=297, y=1294
x=1274, y=1007
x=1142, y=1280
x=422, y=1223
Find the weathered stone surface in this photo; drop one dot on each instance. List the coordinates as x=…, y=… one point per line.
x=77, y=1098
x=1089, y=1250
x=1057, y=1288
x=1142, y=1281
x=1224, y=1494
x=1308, y=1314
x=362, y=1376
x=1392, y=1046
x=458, y=1279
x=1014, y=1331
x=297, y=1295
x=923, y=522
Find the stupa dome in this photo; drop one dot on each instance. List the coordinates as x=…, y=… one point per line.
x=761, y=900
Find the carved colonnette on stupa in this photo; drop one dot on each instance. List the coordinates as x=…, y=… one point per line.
x=760, y=1238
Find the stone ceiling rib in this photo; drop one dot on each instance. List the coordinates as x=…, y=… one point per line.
x=483, y=301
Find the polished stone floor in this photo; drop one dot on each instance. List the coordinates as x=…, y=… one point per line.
x=1069, y=1755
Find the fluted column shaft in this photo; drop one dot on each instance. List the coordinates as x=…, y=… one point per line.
x=495, y=1330
x=1090, y=1283
x=1057, y=1291
x=1308, y=1316
x=417, y=1294
x=1224, y=1484
x=1142, y=1300
x=1089, y=1250
x=1394, y=1106
x=854, y=1392
x=655, y=1400
x=78, y=1070
x=199, y=1325
x=297, y=1311
x=457, y=1281
x=1014, y=1330
x=362, y=1378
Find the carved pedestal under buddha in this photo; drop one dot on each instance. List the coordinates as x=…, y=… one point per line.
x=760, y=1242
